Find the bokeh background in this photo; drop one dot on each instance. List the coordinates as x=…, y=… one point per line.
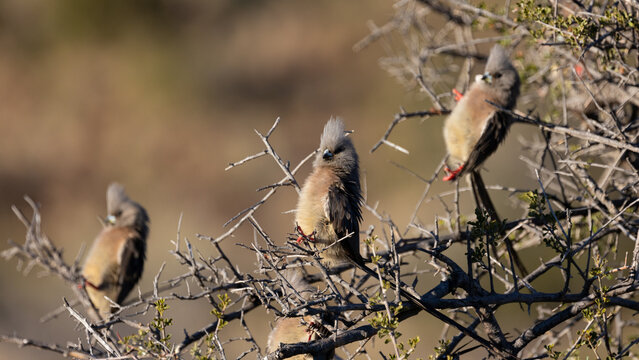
x=161, y=96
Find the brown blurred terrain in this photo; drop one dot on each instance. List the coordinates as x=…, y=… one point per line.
x=161, y=96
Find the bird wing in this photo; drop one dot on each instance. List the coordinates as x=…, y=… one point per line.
x=344, y=214
x=492, y=136
x=131, y=259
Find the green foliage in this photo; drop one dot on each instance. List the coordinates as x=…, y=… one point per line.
x=370, y=240
x=554, y=243
x=578, y=31
x=538, y=212
x=387, y=330
x=550, y=352
x=209, y=349
x=440, y=349
x=619, y=17
x=206, y=348
x=477, y=253
x=406, y=350
x=385, y=324
x=575, y=30
x=589, y=337
x=152, y=340
x=370, y=243
x=376, y=299
x=218, y=311
x=536, y=203
x=483, y=227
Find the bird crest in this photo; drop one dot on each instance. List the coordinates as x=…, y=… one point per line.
x=115, y=197
x=497, y=60
x=333, y=134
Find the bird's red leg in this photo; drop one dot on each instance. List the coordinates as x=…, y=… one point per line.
x=458, y=95
x=84, y=283
x=304, y=236
x=452, y=174
x=310, y=331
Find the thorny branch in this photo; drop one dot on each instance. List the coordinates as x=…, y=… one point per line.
x=578, y=225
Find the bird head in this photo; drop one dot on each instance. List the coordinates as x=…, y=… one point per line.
x=501, y=76
x=336, y=149
x=124, y=212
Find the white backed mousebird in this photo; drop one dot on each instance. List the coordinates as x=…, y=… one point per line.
x=475, y=127
x=329, y=211
x=115, y=261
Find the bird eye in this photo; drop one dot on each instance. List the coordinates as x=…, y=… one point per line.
x=328, y=155
x=497, y=75
x=339, y=150
x=117, y=213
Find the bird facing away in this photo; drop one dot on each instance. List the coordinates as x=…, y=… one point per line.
x=329, y=210
x=116, y=260
x=291, y=330
x=475, y=128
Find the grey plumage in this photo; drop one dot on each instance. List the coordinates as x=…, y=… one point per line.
x=115, y=261
x=344, y=160
x=476, y=128
x=504, y=85
x=330, y=202
x=499, y=84
x=505, y=79
x=329, y=210
x=124, y=212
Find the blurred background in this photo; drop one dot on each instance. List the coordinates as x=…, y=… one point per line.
x=161, y=96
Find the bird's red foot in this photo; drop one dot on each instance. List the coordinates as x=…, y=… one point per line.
x=310, y=330
x=304, y=236
x=458, y=95
x=452, y=174
x=84, y=283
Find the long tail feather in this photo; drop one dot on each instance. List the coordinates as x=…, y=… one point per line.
x=434, y=312
x=482, y=199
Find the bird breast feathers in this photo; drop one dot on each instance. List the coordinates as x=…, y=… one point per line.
x=106, y=253
x=467, y=122
x=313, y=207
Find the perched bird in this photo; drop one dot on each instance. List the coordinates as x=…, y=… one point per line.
x=475, y=128
x=329, y=211
x=329, y=206
x=291, y=330
x=116, y=260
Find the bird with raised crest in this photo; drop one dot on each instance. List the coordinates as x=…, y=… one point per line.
x=477, y=126
x=115, y=261
x=329, y=212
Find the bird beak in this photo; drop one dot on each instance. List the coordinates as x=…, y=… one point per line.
x=487, y=78
x=327, y=155
x=110, y=220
